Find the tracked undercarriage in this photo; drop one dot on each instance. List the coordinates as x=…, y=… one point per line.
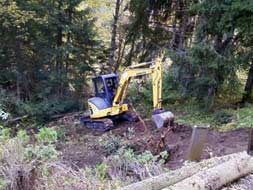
x=107, y=123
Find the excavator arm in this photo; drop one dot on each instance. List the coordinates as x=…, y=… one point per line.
x=149, y=68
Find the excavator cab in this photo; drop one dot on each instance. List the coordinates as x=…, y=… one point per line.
x=105, y=86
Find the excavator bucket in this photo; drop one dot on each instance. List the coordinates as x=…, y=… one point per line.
x=162, y=119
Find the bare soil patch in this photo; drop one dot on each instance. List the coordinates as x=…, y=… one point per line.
x=82, y=149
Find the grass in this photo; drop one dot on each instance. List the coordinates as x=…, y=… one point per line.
x=224, y=116
x=190, y=113
x=242, y=117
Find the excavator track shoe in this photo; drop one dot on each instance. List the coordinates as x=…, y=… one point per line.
x=97, y=124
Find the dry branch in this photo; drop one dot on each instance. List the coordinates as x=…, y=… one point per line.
x=15, y=120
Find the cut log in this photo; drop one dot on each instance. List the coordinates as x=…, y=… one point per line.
x=173, y=177
x=218, y=176
x=244, y=183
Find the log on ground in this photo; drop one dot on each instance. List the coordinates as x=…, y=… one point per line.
x=217, y=176
x=173, y=177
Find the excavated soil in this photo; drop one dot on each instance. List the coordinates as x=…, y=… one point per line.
x=177, y=141
x=81, y=148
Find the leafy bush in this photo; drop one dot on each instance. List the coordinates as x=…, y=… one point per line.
x=141, y=94
x=110, y=143
x=129, y=167
x=223, y=117
x=8, y=101
x=39, y=108
x=21, y=134
x=101, y=171
x=244, y=116
x=40, y=168
x=47, y=135
x=41, y=152
x=5, y=133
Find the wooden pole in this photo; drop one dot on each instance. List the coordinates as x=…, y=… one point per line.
x=250, y=145
x=197, y=142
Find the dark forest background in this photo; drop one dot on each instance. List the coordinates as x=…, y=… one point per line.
x=49, y=50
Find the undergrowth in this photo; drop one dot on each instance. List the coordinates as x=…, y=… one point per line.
x=221, y=119
x=32, y=162
x=123, y=164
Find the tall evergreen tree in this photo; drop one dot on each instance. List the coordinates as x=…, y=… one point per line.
x=48, y=50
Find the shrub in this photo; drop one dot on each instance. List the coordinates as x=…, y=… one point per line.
x=26, y=166
x=21, y=134
x=110, y=143
x=141, y=94
x=5, y=133
x=101, y=171
x=129, y=167
x=39, y=108
x=47, y=135
x=223, y=117
x=15, y=169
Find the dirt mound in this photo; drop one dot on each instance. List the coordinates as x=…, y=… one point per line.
x=177, y=141
x=218, y=144
x=82, y=148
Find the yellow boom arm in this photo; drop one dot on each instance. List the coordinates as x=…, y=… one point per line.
x=149, y=68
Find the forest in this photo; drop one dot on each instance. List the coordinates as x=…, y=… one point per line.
x=51, y=53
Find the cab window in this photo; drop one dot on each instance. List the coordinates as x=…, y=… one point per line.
x=99, y=87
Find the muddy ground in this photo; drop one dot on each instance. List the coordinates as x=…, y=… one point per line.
x=81, y=147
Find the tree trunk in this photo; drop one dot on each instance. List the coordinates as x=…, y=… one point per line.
x=248, y=91
x=174, y=26
x=70, y=13
x=183, y=29
x=121, y=53
x=171, y=178
x=59, y=42
x=18, y=86
x=114, y=33
x=19, y=65
x=218, y=176
x=129, y=60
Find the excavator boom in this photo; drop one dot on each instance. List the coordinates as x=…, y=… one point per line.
x=150, y=68
x=160, y=117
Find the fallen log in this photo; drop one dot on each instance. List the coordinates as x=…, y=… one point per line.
x=217, y=176
x=173, y=177
x=15, y=120
x=244, y=183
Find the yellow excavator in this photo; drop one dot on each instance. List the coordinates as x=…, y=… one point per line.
x=109, y=103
